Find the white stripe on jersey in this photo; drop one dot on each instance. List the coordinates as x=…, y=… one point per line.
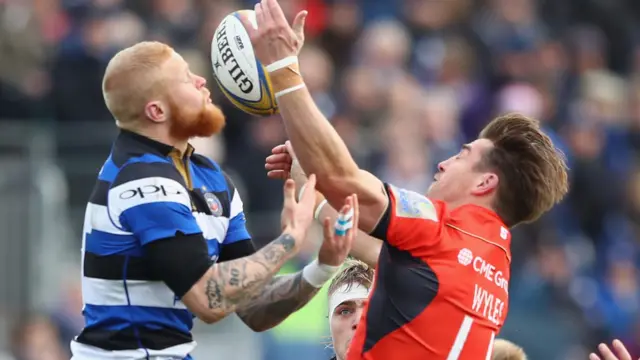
x=98, y=219
x=141, y=293
x=212, y=227
x=145, y=191
x=86, y=352
x=236, y=205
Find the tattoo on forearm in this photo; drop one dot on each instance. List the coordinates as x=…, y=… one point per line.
x=282, y=296
x=238, y=282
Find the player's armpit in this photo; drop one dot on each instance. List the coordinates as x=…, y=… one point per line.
x=365, y=247
x=225, y=287
x=282, y=296
x=411, y=221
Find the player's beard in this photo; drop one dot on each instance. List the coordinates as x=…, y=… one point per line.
x=208, y=121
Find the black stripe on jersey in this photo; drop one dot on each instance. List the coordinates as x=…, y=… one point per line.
x=230, y=185
x=203, y=161
x=100, y=193
x=381, y=229
x=114, y=267
x=131, y=338
x=141, y=170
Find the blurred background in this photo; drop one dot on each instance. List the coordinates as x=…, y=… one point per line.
x=405, y=82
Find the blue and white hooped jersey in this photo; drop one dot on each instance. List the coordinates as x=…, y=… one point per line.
x=140, y=197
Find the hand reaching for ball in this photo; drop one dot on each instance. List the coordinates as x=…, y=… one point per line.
x=274, y=39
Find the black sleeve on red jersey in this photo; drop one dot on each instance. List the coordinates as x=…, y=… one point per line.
x=236, y=250
x=180, y=261
x=381, y=230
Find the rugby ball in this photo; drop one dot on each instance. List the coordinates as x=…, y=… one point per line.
x=240, y=76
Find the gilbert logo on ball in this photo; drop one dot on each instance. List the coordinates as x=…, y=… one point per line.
x=240, y=76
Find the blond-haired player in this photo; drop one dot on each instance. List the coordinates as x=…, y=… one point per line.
x=165, y=238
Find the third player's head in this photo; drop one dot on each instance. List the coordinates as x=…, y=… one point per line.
x=348, y=293
x=149, y=88
x=513, y=168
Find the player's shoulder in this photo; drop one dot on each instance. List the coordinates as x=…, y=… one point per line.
x=413, y=205
x=147, y=169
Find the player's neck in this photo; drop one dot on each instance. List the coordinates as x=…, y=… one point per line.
x=480, y=202
x=163, y=136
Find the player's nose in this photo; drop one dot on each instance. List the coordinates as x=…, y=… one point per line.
x=200, y=82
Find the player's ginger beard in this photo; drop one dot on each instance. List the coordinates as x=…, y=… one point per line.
x=184, y=124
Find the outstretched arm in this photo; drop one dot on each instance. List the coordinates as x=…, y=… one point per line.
x=286, y=294
x=320, y=149
x=281, y=297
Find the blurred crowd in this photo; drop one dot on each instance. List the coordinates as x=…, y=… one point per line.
x=405, y=82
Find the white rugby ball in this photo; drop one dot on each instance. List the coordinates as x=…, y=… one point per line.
x=240, y=76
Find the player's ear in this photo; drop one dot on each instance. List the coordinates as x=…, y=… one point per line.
x=156, y=111
x=486, y=183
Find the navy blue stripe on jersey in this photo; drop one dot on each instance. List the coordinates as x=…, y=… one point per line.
x=117, y=267
x=155, y=328
x=100, y=193
x=129, y=339
x=140, y=203
x=147, y=166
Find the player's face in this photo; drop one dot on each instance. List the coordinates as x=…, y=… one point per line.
x=344, y=321
x=459, y=177
x=193, y=114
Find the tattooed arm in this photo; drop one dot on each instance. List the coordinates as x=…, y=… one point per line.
x=225, y=287
x=282, y=296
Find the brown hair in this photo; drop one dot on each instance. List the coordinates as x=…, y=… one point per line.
x=353, y=271
x=532, y=172
x=506, y=350
x=130, y=79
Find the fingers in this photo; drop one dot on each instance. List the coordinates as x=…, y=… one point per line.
x=289, y=193
x=606, y=353
x=298, y=23
x=249, y=24
x=309, y=195
x=280, y=149
x=621, y=350
x=275, y=12
x=289, y=148
x=593, y=356
x=280, y=160
x=356, y=211
x=278, y=174
x=269, y=23
x=327, y=230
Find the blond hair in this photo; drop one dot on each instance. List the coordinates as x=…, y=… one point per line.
x=353, y=272
x=131, y=79
x=506, y=350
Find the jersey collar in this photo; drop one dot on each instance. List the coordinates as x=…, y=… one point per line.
x=149, y=145
x=482, y=223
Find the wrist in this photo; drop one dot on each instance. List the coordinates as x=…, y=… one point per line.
x=285, y=76
x=296, y=236
x=317, y=274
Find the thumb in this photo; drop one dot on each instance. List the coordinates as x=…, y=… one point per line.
x=289, y=193
x=298, y=22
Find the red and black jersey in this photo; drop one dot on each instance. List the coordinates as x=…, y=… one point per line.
x=441, y=285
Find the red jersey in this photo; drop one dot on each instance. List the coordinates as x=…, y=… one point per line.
x=441, y=284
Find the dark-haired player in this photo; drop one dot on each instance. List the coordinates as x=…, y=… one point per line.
x=441, y=287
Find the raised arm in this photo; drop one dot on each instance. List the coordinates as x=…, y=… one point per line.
x=320, y=149
x=177, y=253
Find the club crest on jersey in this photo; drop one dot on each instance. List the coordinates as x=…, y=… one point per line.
x=410, y=204
x=214, y=204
